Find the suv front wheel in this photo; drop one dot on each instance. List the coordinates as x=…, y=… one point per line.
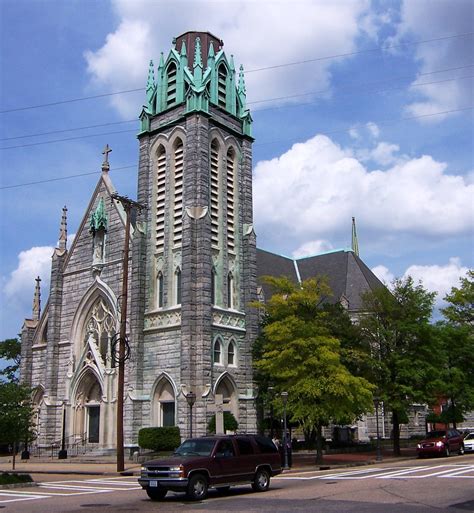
x=197, y=487
x=261, y=480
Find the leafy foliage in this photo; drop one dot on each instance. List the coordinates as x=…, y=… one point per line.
x=230, y=423
x=17, y=414
x=159, y=438
x=302, y=357
x=406, y=356
x=10, y=350
x=460, y=310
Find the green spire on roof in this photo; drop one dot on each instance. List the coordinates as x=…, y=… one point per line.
x=211, y=53
x=183, y=50
x=150, y=84
x=98, y=220
x=197, y=53
x=355, y=244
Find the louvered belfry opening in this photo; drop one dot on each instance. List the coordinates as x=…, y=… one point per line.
x=171, y=88
x=230, y=165
x=215, y=193
x=178, y=193
x=222, y=86
x=160, y=200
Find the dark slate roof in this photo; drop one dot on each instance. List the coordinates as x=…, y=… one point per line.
x=271, y=264
x=347, y=275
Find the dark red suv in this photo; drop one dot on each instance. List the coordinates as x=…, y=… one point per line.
x=212, y=461
x=441, y=442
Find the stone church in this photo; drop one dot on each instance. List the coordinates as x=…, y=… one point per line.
x=193, y=270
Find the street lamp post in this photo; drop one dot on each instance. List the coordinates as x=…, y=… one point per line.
x=191, y=399
x=62, y=454
x=271, y=390
x=284, y=396
x=379, y=452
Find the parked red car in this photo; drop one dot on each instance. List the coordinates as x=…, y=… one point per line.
x=441, y=443
x=212, y=461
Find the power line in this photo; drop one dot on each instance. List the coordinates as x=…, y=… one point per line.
x=348, y=54
x=398, y=77
x=379, y=123
x=66, y=139
x=327, y=57
x=62, y=178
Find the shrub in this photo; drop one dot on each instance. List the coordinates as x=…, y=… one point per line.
x=230, y=423
x=6, y=478
x=159, y=438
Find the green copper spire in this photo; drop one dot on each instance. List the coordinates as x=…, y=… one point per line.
x=150, y=84
x=183, y=50
x=231, y=64
x=197, y=66
x=355, y=244
x=98, y=220
x=211, y=53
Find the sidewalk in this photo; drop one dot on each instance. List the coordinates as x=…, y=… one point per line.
x=107, y=465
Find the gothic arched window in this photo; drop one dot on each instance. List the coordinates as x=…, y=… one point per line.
x=213, y=287
x=159, y=290
x=231, y=353
x=217, y=352
x=101, y=326
x=177, y=275
x=230, y=291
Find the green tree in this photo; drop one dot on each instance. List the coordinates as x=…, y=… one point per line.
x=10, y=351
x=460, y=309
x=17, y=414
x=456, y=339
x=303, y=358
x=406, y=355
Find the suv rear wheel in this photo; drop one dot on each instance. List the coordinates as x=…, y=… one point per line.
x=156, y=494
x=261, y=480
x=197, y=488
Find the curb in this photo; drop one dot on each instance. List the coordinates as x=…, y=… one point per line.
x=18, y=485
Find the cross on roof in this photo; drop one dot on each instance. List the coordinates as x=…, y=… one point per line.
x=105, y=164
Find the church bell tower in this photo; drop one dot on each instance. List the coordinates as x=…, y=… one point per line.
x=195, y=262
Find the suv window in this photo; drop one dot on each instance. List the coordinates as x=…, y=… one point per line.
x=225, y=449
x=245, y=446
x=265, y=445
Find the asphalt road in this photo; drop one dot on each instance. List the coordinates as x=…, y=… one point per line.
x=421, y=486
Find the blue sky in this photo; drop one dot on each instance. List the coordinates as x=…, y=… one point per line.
x=337, y=143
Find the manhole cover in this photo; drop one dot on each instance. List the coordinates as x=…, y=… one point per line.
x=468, y=506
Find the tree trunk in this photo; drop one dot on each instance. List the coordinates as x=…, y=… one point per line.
x=319, y=444
x=396, y=433
x=14, y=456
x=453, y=405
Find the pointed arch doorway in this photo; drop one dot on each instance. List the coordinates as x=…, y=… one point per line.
x=87, y=407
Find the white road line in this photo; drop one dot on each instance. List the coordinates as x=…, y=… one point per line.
x=16, y=497
x=331, y=476
x=458, y=473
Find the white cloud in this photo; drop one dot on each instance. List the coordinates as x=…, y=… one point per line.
x=261, y=34
x=33, y=262
x=425, y=20
x=373, y=129
x=438, y=278
x=314, y=188
x=313, y=247
x=383, y=153
x=383, y=274
x=434, y=278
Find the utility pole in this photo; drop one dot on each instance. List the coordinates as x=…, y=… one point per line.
x=123, y=352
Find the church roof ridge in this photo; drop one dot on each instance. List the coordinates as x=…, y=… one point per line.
x=328, y=252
